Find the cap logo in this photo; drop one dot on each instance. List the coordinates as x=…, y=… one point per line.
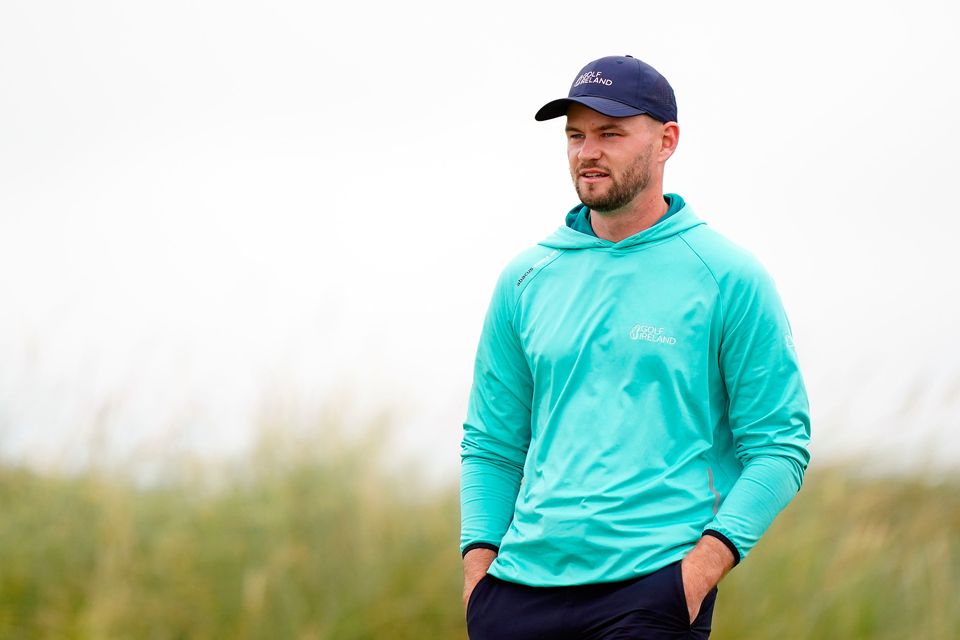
x=593, y=77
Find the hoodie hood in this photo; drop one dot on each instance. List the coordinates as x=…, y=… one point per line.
x=567, y=238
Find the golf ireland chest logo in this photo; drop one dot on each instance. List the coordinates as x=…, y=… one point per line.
x=652, y=333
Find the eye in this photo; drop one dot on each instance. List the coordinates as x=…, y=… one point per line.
x=609, y=134
x=576, y=136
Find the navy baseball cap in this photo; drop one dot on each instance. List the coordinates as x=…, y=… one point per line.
x=618, y=86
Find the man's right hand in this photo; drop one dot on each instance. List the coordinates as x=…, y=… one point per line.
x=475, y=565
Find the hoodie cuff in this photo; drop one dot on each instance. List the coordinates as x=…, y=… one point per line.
x=726, y=541
x=480, y=545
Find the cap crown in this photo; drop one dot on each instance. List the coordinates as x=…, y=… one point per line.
x=629, y=81
x=620, y=87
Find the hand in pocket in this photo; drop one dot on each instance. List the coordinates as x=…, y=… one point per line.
x=691, y=592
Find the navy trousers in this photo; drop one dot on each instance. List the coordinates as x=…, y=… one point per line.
x=651, y=607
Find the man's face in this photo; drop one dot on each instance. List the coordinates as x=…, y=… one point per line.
x=611, y=159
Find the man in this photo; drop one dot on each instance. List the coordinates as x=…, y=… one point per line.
x=637, y=417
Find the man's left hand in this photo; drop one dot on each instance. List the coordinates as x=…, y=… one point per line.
x=702, y=569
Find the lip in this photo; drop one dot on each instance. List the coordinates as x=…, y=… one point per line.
x=582, y=174
x=593, y=179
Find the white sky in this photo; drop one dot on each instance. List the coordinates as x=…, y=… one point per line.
x=205, y=202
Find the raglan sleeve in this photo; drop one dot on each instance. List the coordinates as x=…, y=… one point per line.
x=768, y=409
x=496, y=432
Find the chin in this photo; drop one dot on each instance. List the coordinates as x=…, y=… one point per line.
x=592, y=197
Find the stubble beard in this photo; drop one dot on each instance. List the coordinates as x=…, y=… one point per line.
x=635, y=179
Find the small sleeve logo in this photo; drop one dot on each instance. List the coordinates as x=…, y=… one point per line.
x=536, y=265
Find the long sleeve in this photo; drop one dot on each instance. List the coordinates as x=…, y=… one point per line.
x=768, y=411
x=496, y=433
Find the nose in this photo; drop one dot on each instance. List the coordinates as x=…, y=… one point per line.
x=589, y=150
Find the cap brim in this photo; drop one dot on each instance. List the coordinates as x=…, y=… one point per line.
x=606, y=106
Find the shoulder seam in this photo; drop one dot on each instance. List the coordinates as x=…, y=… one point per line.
x=543, y=267
x=516, y=302
x=712, y=275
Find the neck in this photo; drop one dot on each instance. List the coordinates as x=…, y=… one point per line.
x=641, y=213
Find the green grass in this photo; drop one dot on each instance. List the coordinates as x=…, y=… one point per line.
x=852, y=558
x=311, y=540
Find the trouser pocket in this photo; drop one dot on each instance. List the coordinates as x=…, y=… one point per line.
x=680, y=594
x=476, y=589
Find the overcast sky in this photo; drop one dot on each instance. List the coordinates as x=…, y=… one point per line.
x=203, y=203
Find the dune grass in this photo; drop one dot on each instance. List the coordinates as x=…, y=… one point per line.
x=852, y=558
x=308, y=541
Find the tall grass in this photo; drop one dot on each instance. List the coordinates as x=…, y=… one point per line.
x=305, y=540
x=852, y=557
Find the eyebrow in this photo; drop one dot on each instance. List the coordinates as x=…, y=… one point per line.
x=603, y=127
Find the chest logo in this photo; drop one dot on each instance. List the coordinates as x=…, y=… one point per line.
x=651, y=333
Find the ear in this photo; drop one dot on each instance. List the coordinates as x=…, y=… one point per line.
x=669, y=139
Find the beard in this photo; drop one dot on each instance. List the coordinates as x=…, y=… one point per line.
x=622, y=190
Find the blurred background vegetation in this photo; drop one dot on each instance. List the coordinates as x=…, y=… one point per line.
x=317, y=535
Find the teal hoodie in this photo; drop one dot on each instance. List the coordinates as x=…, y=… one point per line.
x=629, y=397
